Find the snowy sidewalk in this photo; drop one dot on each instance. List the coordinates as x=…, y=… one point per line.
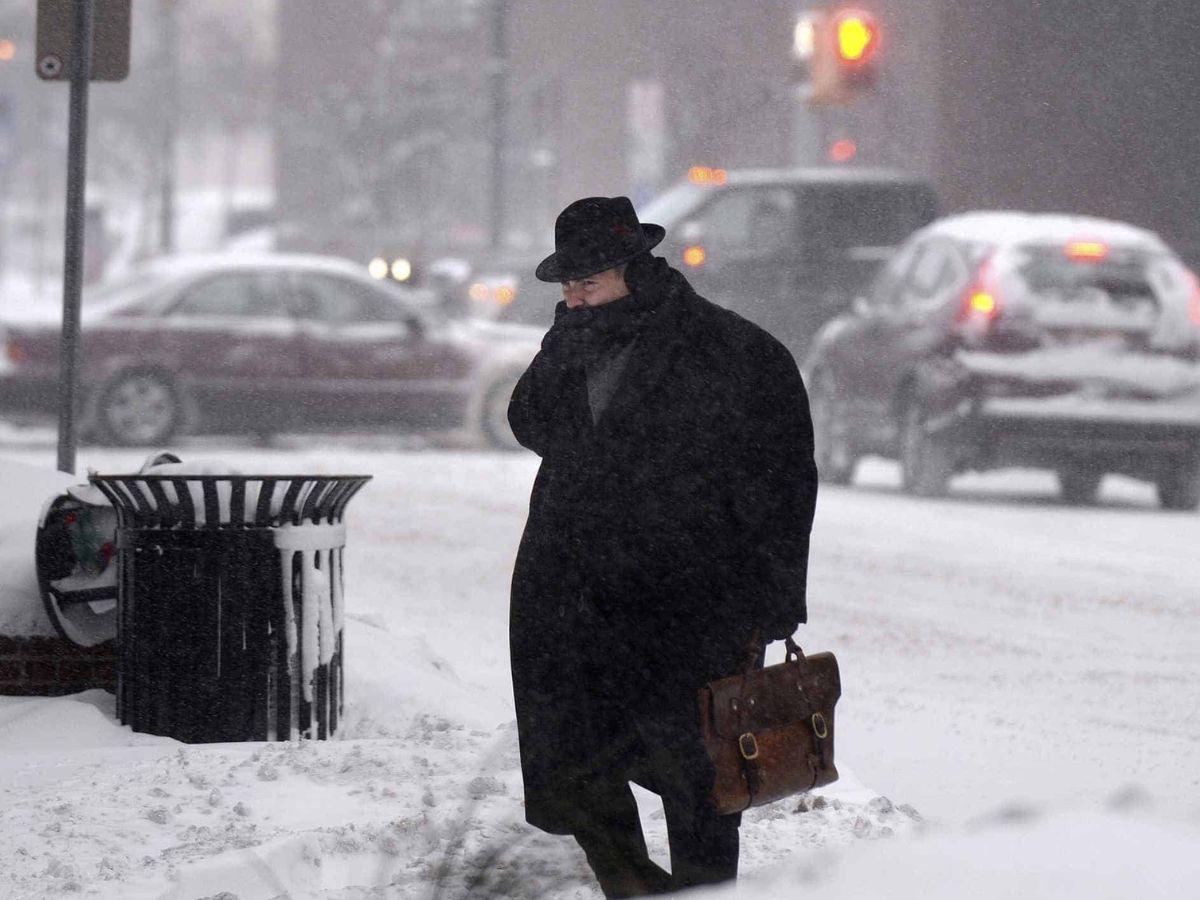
x=941, y=613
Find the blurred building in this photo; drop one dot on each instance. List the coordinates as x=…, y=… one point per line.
x=1086, y=106
x=386, y=113
x=385, y=108
x=189, y=128
x=1077, y=105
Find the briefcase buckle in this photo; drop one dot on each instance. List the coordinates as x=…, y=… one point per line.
x=748, y=745
x=820, y=727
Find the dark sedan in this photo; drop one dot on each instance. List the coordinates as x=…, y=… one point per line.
x=1008, y=339
x=268, y=343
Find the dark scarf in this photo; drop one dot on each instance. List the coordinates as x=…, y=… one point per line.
x=598, y=330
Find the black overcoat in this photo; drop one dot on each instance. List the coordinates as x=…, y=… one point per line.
x=658, y=539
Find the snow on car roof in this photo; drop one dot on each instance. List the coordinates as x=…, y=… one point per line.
x=828, y=174
x=161, y=271
x=207, y=262
x=1006, y=228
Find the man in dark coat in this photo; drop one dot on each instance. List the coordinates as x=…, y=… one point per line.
x=667, y=541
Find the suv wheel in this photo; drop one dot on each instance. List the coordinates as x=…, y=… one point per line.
x=925, y=462
x=138, y=409
x=1078, y=484
x=835, y=454
x=1179, y=488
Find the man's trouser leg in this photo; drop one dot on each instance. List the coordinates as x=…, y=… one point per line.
x=615, y=847
x=704, y=845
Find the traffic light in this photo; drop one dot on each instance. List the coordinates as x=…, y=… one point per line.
x=856, y=47
x=841, y=49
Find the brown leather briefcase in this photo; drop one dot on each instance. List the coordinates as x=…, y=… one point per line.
x=769, y=732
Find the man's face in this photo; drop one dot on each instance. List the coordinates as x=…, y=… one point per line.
x=595, y=290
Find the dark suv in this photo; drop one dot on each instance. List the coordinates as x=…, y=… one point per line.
x=787, y=248
x=998, y=339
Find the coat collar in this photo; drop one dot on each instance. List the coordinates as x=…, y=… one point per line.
x=657, y=346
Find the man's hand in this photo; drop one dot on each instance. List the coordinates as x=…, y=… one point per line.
x=754, y=649
x=568, y=337
x=781, y=630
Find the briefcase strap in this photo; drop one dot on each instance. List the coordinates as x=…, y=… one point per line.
x=749, y=759
x=793, y=649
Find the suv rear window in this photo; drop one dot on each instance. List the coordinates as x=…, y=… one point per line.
x=1121, y=279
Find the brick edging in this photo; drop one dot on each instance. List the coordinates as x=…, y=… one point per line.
x=51, y=666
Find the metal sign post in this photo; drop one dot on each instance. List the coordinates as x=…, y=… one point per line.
x=81, y=73
x=72, y=275
x=65, y=49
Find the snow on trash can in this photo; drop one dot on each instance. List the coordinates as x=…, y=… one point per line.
x=230, y=597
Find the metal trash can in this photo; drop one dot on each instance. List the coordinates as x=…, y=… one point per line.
x=230, y=593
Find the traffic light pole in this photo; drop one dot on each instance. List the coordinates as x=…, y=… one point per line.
x=170, y=43
x=499, y=120
x=81, y=72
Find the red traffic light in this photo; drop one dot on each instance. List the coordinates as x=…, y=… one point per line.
x=856, y=37
x=845, y=57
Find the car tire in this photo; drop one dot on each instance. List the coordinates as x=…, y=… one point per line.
x=1078, y=484
x=493, y=414
x=925, y=461
x=834, y=451
x=1179, y=488
x=138, y=409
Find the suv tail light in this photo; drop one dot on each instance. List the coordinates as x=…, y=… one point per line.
x=981, y=303
x=13, y=352
x=1194, y=300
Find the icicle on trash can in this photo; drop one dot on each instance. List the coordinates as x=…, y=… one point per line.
x=230, y=598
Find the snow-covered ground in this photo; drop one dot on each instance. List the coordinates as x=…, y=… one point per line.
x=1021, y=711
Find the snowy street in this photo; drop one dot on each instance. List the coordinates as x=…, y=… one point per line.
x=1004, y=659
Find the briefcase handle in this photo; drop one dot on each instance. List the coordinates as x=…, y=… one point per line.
x=794, y=653
x=755, y=659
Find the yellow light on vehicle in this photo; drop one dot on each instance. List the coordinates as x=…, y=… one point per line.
x=378, y=268
x=401, y=269
x=706, y=175
x=505, y=295
x=1087, y=250
x=8, y=50
x=479, y=292
x=694, y=256
x=983, y=302
x=855, y=35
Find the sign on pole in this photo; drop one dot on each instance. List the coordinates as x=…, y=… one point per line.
x=110, y=39
x=77, y=41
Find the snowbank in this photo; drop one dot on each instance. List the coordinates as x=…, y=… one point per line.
x=1114, y=854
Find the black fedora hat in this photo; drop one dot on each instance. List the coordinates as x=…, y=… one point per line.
x=594, y=234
